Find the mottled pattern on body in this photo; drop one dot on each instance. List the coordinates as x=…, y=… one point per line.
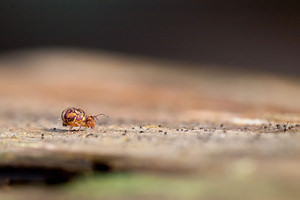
x=73, y=117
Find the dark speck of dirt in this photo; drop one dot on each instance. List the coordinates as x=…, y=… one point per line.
x=159, y=126
x=160, y=131
x=297, y=125
x=42, y=136
x=141, y=126
x=141, y=131
x=278, y=126
x=285, y=127
x=165, y=133
x=221, y=125
x=54, y=129
x=89, y=135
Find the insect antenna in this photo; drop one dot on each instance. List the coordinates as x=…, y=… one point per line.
x=95, y=116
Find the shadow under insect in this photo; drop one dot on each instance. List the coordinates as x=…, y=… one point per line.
x=59, y=130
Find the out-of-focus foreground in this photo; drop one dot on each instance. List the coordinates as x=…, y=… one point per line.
x=173, y=132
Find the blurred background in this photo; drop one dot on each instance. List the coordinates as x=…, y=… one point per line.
x=213, y=85
x=253, y=35
x=159, y=56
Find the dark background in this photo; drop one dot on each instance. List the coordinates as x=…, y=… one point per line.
x=238, y=34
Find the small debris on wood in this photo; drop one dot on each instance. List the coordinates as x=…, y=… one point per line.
x=278, y=126
x=285, y=127
x=88, y=135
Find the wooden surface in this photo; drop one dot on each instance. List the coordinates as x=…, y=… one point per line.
x=165, y=118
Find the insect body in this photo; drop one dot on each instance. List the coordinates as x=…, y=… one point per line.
x=75, y=117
